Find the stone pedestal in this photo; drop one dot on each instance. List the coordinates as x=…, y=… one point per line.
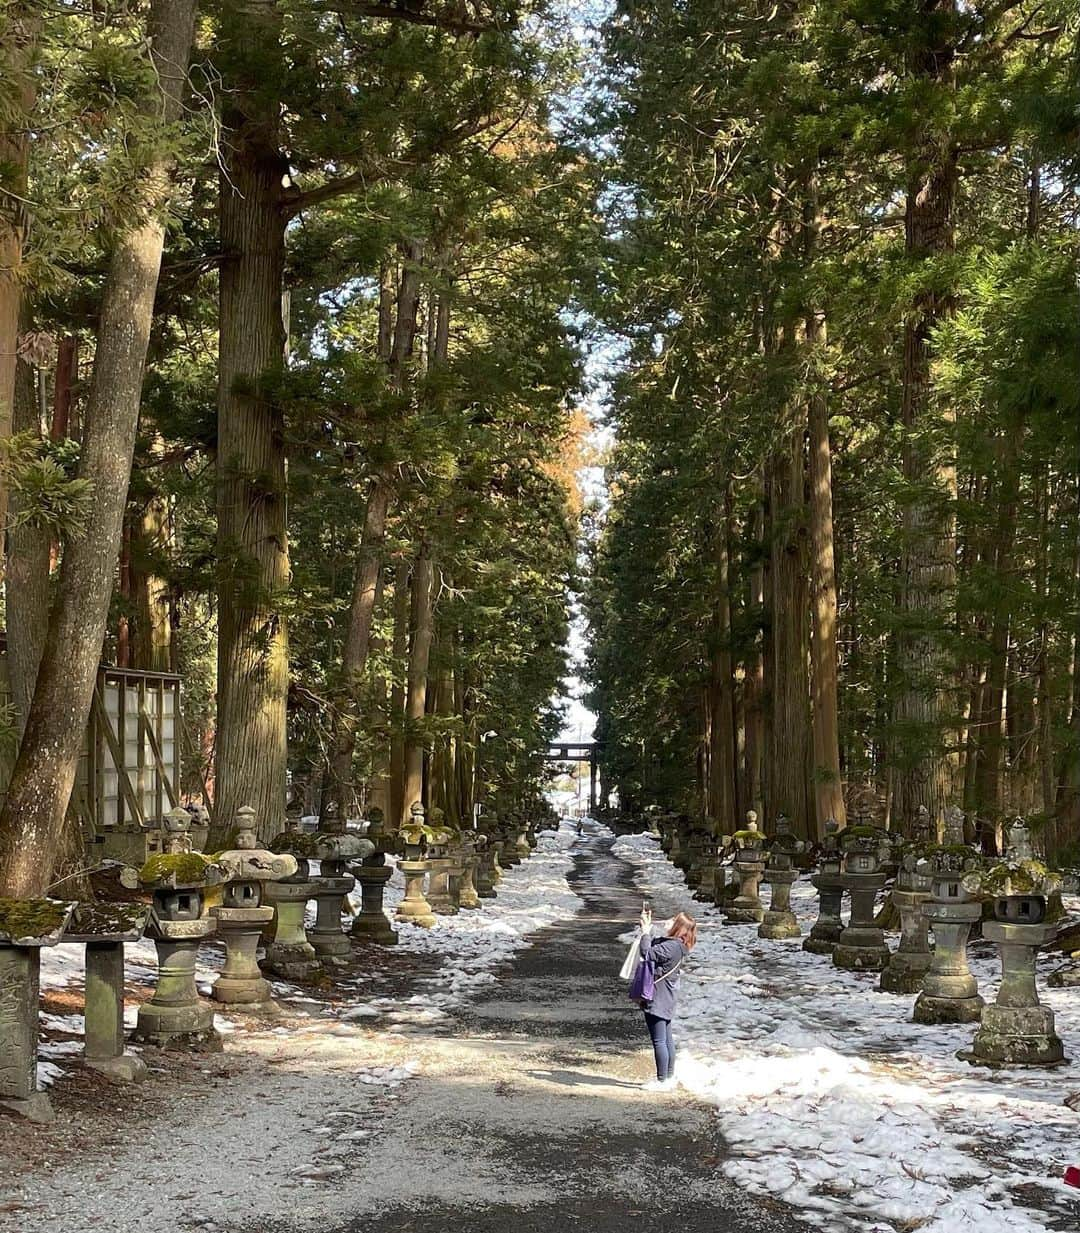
x=290, y=954
x=1016, y=1030
x=826, y=930
x=240, y=982
x=468, y=894
x=861, y=947
x=909, y=963
x=949, y=993
x=496, y=862
x=521, y=844
x=746, y=908
x=329, y=941
x=440, y=870
x=415, y=908
x=176, y=1017
x=779, y=920
x=104, y=928
x=372, y=925
x=26, y=925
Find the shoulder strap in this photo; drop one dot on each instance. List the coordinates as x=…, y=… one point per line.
x=671, y=971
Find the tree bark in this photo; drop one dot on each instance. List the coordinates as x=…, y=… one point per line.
x=18, y=37
x=253, y=551
x=32, y=817
x=828, y=785
x=721, y=692
x=398, y=809
x=928, y=566
x=423, y=629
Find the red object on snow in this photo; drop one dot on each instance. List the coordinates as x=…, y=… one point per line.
x=1072, y=1175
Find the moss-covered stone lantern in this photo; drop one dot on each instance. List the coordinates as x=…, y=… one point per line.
x=826, y=930
x=443, y=865
x=780, y=873
x=907, y=965
x=484, y=877
x=179, y=880
x=242, y=915
x=415, y=837
x=371, y=923
x=746, y=908
x=290, y=953
x=861, y=947
x=949, y=993
x=1016, y=1030
x=26, y=925
x=336, y=848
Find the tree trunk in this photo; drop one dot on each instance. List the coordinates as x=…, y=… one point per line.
x=423, y=628
x=828, y=786
x=19, y=29
x=253, y=552
x=721, y=694
x=398, y=809
x=754, y=688
x=789, y=753
x=928, y=567
x=32, y=818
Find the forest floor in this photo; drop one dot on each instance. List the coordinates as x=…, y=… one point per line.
x=504, y=1099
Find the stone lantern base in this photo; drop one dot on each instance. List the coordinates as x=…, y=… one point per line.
x=826, y=930
x=1016, y=1036
x=329, y=941
x=290, y=954
x=372, y=925
x=779, y=921
x=176, y=1017
x=905, y=972
x=468, y=895
x=241, y=983
x=414, y=908
x=439, y=896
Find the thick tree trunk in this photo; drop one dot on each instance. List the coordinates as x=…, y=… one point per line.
x=423, y=629
x=27, y=596
x=928, y=567
x=253, y=552
x=32, y=818
x=721, y=693
x=398, y=808
x=828, y=786
x=754, y=687
x=19, y=27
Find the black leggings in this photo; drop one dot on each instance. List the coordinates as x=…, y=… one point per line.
x=663, y=1045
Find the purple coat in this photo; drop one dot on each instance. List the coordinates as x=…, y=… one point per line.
x=665, y=954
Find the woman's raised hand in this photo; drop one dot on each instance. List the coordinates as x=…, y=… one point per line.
x=646, y=920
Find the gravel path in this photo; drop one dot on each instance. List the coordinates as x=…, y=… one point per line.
x=526, y=1114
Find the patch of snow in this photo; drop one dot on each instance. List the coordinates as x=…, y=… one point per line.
x=835, y=1102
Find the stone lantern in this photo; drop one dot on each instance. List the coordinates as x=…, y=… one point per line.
x=468, y=895
x=907, y=965
x=242, y=915
x=335, y=847
x=371, y=923
x=485, y=865
x=861, y=947
x=780, y=873
x=442, y=867
x=826, y=930
x=521, y=843
x=949, y=992
x=290, y=953
x=746, y=907
x=178, y=879
x=415, y=908
x=1016, y=1030
x=26, y=925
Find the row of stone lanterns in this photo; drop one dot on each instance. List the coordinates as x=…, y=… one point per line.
x=235, y=896
x=937, y=886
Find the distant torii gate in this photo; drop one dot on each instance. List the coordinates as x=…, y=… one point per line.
x=577, y=751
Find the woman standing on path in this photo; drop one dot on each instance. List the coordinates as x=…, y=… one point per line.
x=666, y=955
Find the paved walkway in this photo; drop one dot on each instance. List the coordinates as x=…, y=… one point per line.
x=537, y=1121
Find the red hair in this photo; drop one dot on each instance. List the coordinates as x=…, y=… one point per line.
x=684, y=927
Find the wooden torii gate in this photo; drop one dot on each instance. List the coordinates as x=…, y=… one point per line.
x=577, y=751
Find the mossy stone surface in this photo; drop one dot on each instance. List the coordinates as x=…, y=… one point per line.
x=185, y=867
x=33, y=922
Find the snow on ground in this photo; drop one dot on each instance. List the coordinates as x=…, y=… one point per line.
x=834, y=1102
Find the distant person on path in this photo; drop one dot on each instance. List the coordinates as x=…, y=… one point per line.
x=666, y=955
